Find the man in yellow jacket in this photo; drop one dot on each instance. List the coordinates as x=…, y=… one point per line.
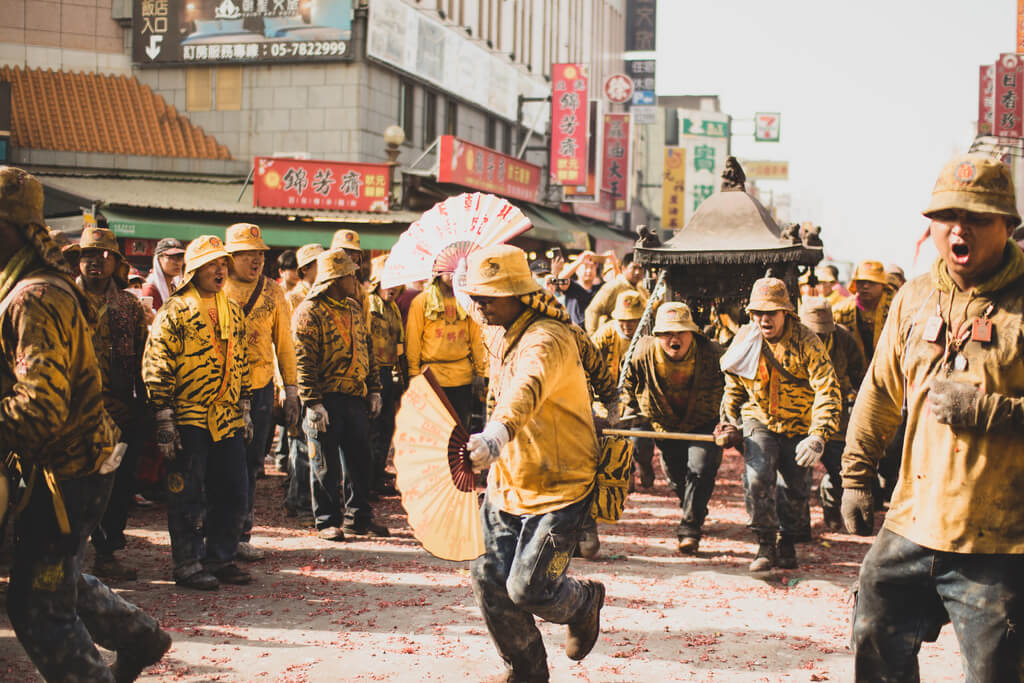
x=268, y=342
x=541, y=448
x=197, y=374
x=440, y=335
x=387, y=335
x=788, y=404
x=306, y=258
x=600, y=308
x=52, y=418
x=864, y=313
x=952, y=544
x=340, y=388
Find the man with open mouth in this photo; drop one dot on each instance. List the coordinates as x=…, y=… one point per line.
x=952, y=544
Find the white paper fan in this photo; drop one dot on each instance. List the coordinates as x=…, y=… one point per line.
x=448, y=233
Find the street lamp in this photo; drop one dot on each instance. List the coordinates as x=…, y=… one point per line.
x=394, y=136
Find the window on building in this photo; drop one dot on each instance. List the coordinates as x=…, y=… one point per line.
x=451, y=118
x=228, y=88
x=429, y=117
x=491, y=133
x=406, y=101
x=506, y=139
x=199, y=88
x=671, y=128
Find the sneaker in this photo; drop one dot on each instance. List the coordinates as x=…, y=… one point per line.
x=331, y=533
x=765, y=558
x=130, y=663
x=141, y=501
x=786, y=554
x=688, y=545
x=108, y=567
x=247, y=552
x=582, y=635
x=233, y=574
x=370, y=528
x=202, y=580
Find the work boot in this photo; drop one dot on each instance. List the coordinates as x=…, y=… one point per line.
x=765, y=558
x=247, y=552
x=583, y=633
x=786, y=553
x=688, y=545
x=108, y=567
x=233, y=574
x=369, y=528
x=590, y=543
x=331, y=533
x=201, y=580
x=130, y=663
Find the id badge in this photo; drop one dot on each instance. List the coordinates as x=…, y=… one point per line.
x=981, y=330
x=932, y=329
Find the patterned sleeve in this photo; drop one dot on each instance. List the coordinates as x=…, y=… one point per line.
x=308, y=338
x=827, y=406
x=733, y=398
x=240, y=344
x=598, y=373
x=160, y=359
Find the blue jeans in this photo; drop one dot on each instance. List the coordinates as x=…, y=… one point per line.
x=300, y=484
x=206, y=502
x=57, y=611
x=775, y=489
x=907, y=592
x=261, y=410
x=522, y=574
x=691, y=467
x=344, y=446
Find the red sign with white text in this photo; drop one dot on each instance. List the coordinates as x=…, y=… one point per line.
x=333, y=186
x=1008, y=105
x=986, y=98
x=615, y=157
x=481, y=168
x=568, y=124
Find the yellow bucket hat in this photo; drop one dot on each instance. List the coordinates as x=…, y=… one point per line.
x=869, y=271
x=200, y=251
x=816, y=315
x=628, y=306
x=674, y=316
x=244, y=237
x=499, y=270
x=21, y=197
x=308, y=253
x=770, y=294
x=346, y=239
x=978, y=183
x=99, y=238
x=331, y=265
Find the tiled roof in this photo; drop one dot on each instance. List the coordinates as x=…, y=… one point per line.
x=89, y=112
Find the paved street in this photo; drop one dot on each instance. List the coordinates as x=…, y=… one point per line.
x=386, y=611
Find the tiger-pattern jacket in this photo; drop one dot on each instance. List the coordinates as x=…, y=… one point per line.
x=267, y=331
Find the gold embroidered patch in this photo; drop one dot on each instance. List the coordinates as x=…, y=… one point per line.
x=175, y=483
x=48, y=577
x=559, y=561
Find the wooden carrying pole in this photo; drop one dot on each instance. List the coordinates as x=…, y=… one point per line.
x=673, y=436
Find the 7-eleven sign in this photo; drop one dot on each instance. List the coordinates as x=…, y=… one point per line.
x=766, y=127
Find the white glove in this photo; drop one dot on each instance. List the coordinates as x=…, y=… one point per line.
x=317, y=416
x=809, y=450
x=613, y=413
x=291, y=406
x=168, y=440
x=247, y=429
x=375, y=404
x=484, y=448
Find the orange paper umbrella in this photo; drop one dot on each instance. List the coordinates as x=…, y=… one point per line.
x=435, y=475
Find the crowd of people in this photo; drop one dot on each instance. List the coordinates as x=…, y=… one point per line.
x=179, y=385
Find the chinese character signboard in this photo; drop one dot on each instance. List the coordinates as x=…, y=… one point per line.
x=1008, y=109
x=673, y=189
x=588, y=192
x=705, y=137
x=328, y=185
x=986, y=98
x=481, y=168
x=568, y=124
x=766, y=170
x=615, y=158
x=640, y=25
x=1020, y=26
x=618, y=88
x=766, y=127
x=644, y=100
x=240, y=31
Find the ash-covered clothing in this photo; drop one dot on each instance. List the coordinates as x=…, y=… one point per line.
x=439, y=335
x=599, y=374
x=850, y=366
x=865, y=326
x=332, y=347
x=297, y=294
x=612, y=345
x=538, y=390
x=601, y=306
x=802, y=400
x=190, y=367
x=776, y=490
x=119, y=338
x=51, y=400
x=386, y=330
x=959, y=487
x=267, y=330
x=674, y=396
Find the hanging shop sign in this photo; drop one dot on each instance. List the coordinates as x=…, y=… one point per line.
x=673, y=188
x=986, y=98
x=1008, y=106
x=615, y=161
x=568, y=124
x=334, y=186
x=767, y=127
x=481, y=168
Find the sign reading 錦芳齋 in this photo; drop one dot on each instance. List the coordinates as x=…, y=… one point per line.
x=240, y=31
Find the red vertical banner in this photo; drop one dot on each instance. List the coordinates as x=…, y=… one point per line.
x=615, y=157
x=568, y=124
x=1020, y=26
x=986, y=98
x=1008, y=109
